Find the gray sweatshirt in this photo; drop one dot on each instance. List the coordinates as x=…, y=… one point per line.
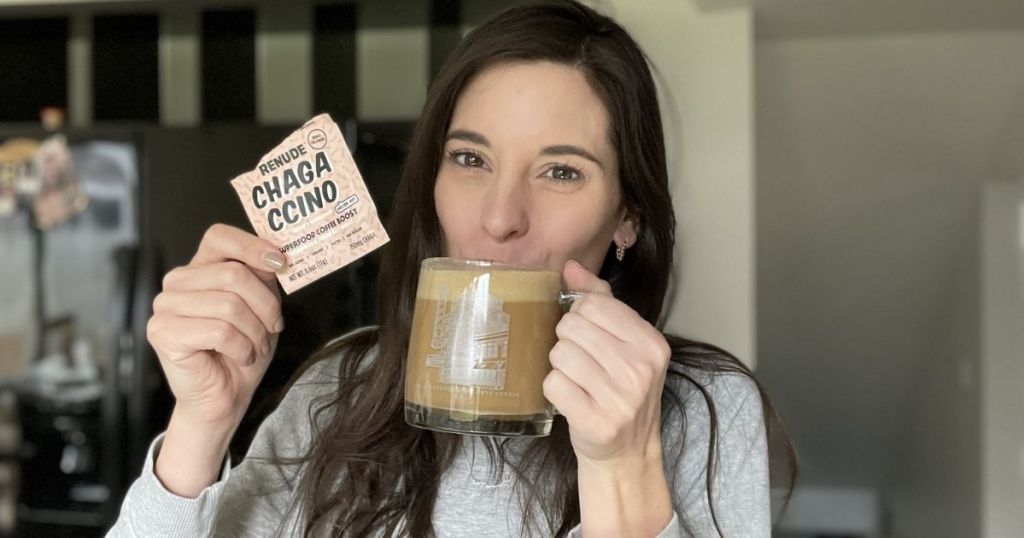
x=256, y=498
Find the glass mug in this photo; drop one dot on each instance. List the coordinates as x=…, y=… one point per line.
x=478, y=352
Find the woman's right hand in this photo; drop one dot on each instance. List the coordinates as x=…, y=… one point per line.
x=215, y=326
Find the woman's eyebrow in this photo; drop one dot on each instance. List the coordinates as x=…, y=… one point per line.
x=469, y=136
x=568, y=149
x=560, y=149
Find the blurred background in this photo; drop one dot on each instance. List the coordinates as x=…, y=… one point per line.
x=848, y=177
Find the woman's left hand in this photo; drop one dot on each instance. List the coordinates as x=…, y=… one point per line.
x=608, y=371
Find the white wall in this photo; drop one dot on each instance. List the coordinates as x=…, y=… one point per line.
x=705, y=58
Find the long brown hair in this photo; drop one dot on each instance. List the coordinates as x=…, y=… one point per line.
x=366, y=470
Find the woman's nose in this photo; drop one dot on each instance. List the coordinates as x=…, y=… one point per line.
x=505, y=214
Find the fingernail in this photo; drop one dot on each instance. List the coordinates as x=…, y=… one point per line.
x=279, y=325
x=274, y=260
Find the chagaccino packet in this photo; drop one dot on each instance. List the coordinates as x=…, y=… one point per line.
x=307, y=198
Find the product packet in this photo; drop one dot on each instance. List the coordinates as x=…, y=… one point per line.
x=307, y=198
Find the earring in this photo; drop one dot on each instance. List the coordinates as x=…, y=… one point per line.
x=620, y=252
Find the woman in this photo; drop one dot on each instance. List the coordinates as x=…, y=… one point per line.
x=540, y=143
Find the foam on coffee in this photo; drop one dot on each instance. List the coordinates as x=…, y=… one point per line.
x=518, y=286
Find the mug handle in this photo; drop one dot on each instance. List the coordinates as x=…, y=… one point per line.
x=565, y=300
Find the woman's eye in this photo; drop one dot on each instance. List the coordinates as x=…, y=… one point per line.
x=467, y=159
x=564, y=173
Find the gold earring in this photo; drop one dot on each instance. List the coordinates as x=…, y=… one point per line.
x=620, y=251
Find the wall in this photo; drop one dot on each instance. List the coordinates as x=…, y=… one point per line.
x=871, y=155
x=933, y=481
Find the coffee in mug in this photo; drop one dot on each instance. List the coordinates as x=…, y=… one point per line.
x=478, y=352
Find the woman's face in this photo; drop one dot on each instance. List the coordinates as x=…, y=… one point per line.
x=528, y=174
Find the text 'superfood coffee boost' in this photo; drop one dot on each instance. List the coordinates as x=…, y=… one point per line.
x=307, y=198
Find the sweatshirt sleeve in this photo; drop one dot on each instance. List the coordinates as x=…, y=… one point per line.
x=740, y=492
x=252, y=499
x=149, y=509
